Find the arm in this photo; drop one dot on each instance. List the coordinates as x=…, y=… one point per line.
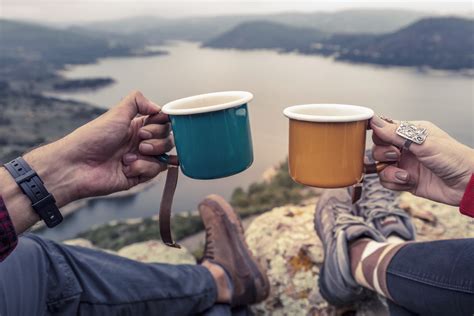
x=112, y=153
x=57, y=175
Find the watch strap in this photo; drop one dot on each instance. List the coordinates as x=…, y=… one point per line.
x=32, y=186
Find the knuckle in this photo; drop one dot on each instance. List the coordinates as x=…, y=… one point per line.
x=136, y=93
x=426, y=124
x=169, y=144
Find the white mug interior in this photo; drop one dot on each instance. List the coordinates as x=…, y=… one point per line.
x=209, y=102
x=328, y=113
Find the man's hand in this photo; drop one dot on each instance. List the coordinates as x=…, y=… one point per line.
x=112, y=153
x=118, y=150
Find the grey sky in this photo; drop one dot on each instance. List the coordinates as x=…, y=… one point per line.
x=92, y=10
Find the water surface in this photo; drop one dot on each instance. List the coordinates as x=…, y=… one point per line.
x=277, y=81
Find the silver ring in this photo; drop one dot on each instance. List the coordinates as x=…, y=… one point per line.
x=412, y=133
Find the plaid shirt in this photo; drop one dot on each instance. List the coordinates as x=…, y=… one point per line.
x=8, y=237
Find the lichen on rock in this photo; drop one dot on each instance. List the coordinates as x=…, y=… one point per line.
x=285, y=242
x=156, y=251
x=148, y=251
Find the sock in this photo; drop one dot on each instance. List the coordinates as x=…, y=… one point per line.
x=229, y=283
x=395, y=239
x=369, y=262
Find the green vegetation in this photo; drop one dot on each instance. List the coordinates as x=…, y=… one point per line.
x=74, y=84
x=258, y=198
x=265, y=195
x=118, y=235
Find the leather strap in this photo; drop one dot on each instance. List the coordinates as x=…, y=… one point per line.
x=370, y=167
x=357, y=190
x=166, y=204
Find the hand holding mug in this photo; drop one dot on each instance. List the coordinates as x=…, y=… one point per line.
x=117, y=150
x=439, y=169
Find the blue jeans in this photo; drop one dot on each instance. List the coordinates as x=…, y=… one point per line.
x=42, y=277
x=433, y=278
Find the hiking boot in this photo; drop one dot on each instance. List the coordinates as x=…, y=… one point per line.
x=379, y=208
x=336, y=226
x=226, y=247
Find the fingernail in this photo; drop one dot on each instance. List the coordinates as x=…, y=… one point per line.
x=391, y=155
x=144, y=147
x=401, y=175
x=144, y=134
x=129, y=158
x=155, y=105
x=377, y=121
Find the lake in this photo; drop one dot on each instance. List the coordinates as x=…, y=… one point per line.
x=276, y=80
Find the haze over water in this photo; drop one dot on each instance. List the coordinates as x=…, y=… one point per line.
x=277, y=81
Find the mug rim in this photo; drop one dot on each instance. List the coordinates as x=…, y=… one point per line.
x=244, y=97
x=365, y=113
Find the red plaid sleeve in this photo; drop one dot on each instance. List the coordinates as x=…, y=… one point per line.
x=8, y=237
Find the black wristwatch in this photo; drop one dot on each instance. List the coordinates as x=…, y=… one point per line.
x=31, y=184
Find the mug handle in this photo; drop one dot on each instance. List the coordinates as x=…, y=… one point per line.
x=167, y=198
x=172, y=163
x=369, y=168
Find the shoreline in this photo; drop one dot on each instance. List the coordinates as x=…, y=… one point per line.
x=78, y=205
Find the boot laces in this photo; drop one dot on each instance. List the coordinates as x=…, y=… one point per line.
x=344, y=217
x=378, y=202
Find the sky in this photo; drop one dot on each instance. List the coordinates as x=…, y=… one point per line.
x=71, y=11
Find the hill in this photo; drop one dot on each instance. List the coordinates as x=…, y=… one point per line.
x=34, y=52
x=30, y=55
x=156, y=29
x=266, y=35
x=440, y=43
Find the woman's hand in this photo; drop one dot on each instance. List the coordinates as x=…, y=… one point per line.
x=439, y=169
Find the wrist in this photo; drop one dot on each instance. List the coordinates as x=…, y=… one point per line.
x=18, y=204
x=55, y=170
x=468, y=164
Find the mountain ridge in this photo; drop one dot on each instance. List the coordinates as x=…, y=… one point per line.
x=436, y=42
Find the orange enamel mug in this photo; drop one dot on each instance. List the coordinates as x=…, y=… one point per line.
x=327, y=143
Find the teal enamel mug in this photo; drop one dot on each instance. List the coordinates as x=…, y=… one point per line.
x=212, y=133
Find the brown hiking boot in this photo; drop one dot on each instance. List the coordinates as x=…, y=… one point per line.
x=226, y=246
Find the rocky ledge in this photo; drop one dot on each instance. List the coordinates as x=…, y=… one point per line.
x=284, y=241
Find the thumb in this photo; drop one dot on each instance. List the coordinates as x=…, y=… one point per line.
x=136, y=103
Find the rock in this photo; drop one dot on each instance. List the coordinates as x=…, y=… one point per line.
x=447, y=223
x=148, y=251
x=156, y=251
x=79, y=242
x=285, y=242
